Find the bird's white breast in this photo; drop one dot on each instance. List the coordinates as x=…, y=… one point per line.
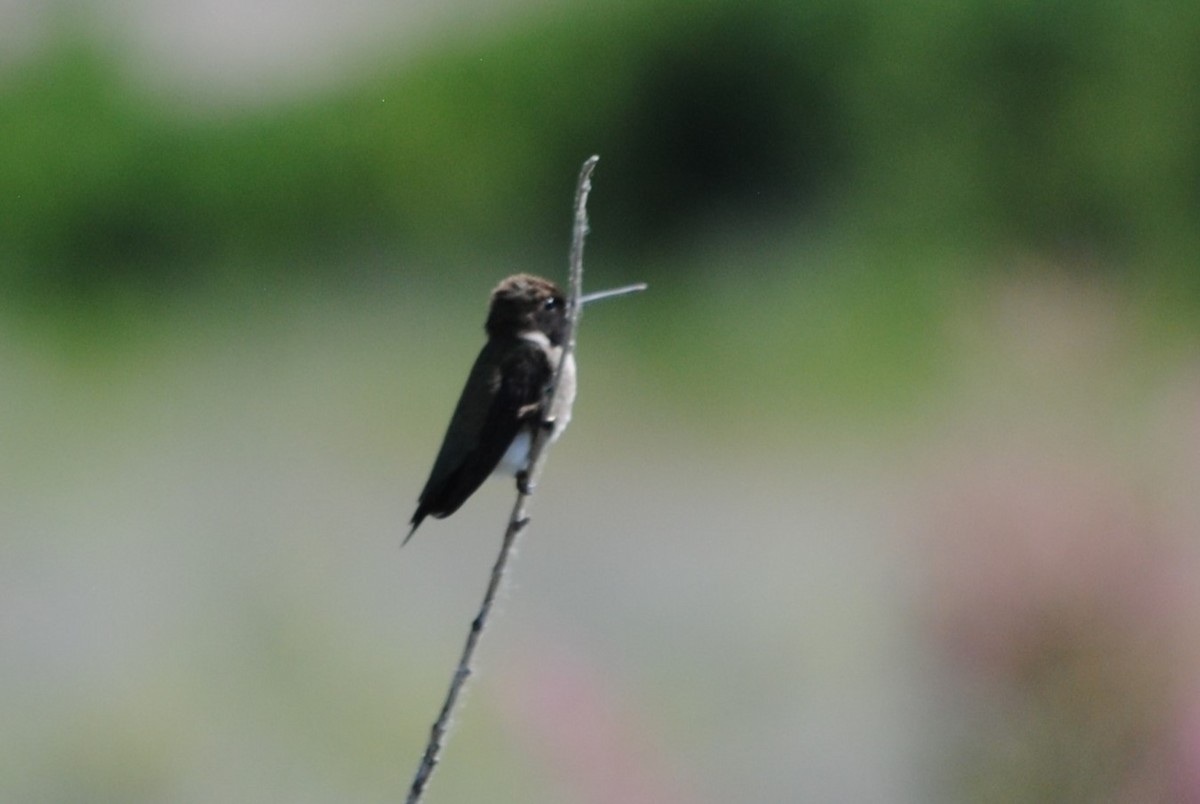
x=516, y=457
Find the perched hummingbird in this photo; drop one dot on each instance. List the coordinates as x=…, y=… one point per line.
x=500, y=407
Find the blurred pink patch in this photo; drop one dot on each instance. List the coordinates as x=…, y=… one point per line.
x=1025, y=550
x=1186, y=761
x=583, y=727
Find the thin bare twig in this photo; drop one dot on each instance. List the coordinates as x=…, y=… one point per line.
x=518, y=519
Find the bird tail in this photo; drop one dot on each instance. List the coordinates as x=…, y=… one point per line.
x=416, y=523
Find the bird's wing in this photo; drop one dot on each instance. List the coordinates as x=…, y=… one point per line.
x=466, y=460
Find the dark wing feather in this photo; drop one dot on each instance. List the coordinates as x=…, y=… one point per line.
x=465, y=460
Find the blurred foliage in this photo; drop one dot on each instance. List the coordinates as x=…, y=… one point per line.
x=987, y=125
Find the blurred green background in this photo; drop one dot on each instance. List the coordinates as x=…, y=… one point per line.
x=885, y=491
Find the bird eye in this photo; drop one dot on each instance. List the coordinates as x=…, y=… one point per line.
x=550, y=303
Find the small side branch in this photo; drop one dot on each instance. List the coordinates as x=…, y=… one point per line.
x=518, y=519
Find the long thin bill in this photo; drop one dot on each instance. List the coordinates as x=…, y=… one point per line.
x=608, y=294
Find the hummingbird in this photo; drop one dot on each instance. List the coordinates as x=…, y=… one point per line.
x=500, y=408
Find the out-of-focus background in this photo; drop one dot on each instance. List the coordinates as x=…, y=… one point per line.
x=888, y=490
